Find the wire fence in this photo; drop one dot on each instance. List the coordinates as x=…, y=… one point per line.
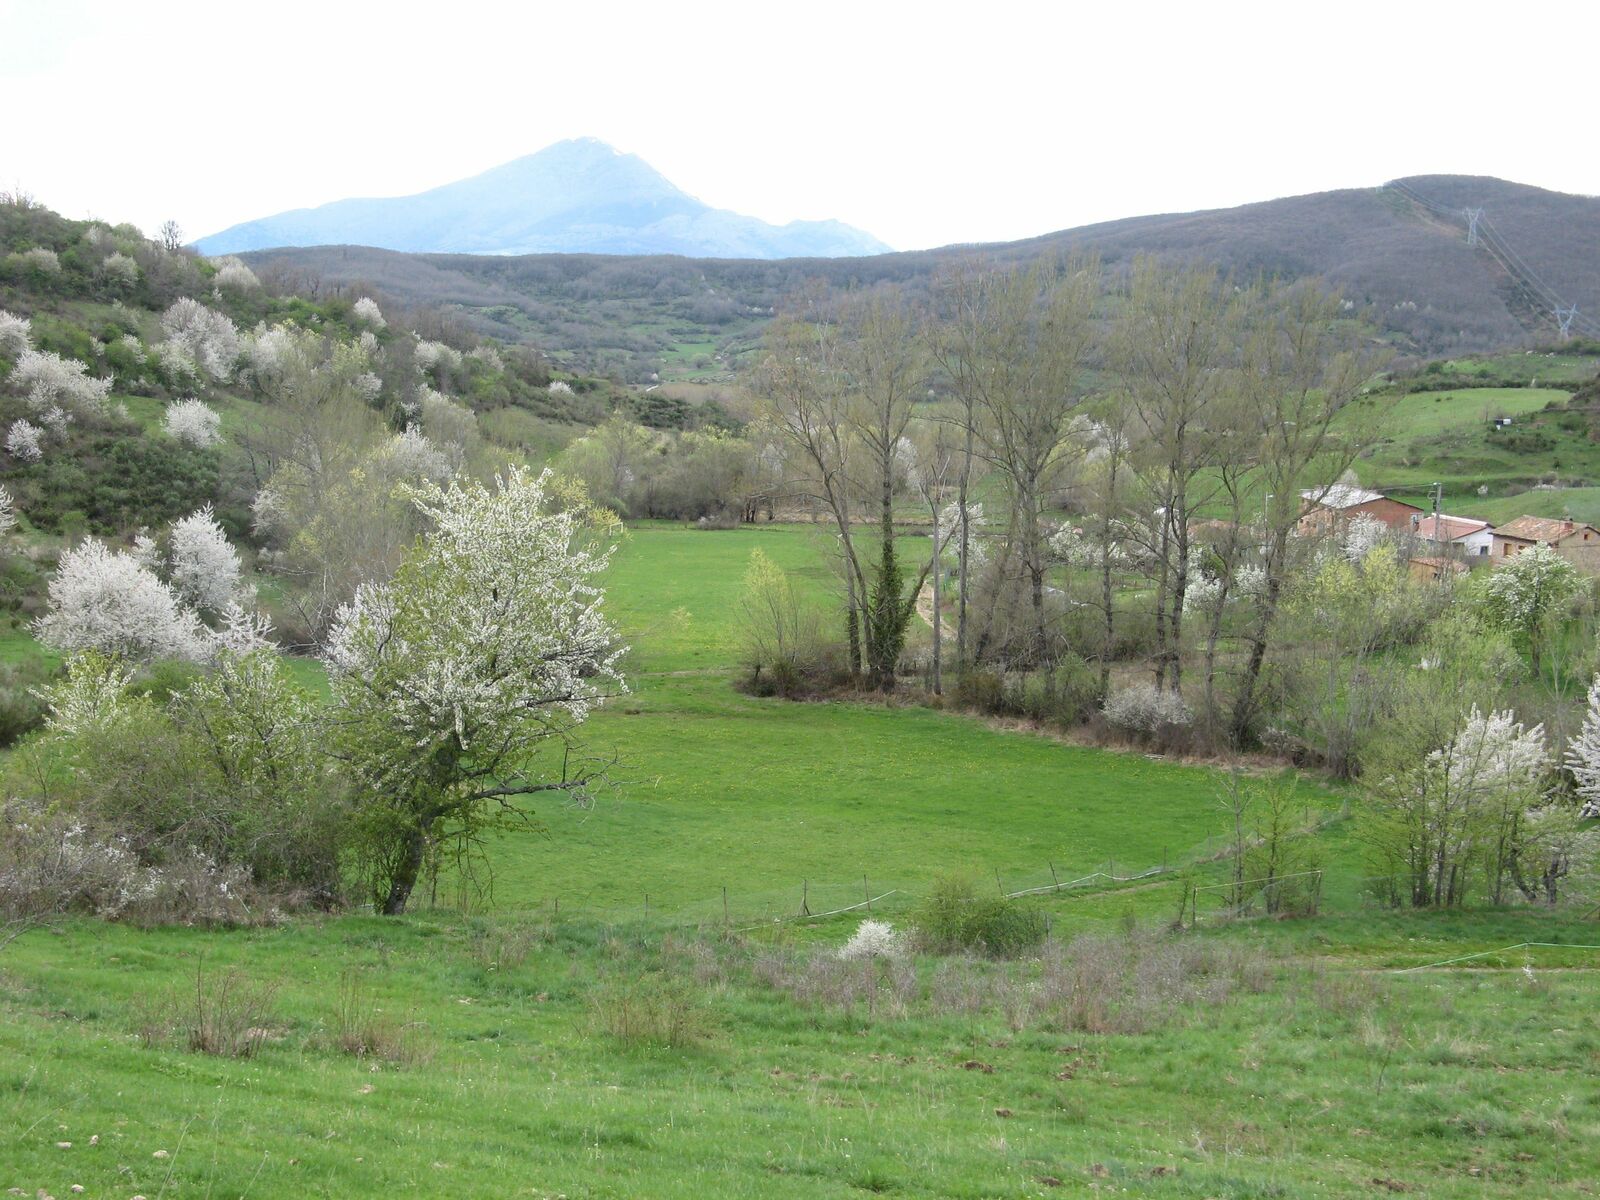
x=803, y=901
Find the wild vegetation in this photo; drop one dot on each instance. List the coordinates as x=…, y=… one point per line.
x=1085, y=698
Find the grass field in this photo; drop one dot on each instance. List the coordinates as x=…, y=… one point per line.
x=513, y=1052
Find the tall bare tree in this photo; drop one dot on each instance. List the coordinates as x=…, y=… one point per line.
x=1177, y=335
x=1015, y=350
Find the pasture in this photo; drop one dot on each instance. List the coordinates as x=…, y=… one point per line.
x=601, y=1051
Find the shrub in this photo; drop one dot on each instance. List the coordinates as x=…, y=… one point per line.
x=229, y=1014
x=873, y=939
x=954, y=917
x=1146, y=710
x=651, y=1009
x=21, y=710
x=362, y=1030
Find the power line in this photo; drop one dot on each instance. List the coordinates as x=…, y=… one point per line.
x=1481, y=233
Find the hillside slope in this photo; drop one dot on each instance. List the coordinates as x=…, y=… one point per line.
x=1403, y=264
x=578, y=196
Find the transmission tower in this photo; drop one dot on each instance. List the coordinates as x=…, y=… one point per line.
x=1564, y=319
x=1472, y=215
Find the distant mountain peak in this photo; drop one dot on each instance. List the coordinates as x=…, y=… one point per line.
x=581, y=195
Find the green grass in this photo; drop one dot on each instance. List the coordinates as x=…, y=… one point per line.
x=1325, y=1078
x=1324, y=1083
x=1424, y=414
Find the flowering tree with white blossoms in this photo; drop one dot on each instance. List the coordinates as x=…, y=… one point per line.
x=8, y=511
x=204, y=336
x=1583, y=751
x=14, y=334
x=49, y=381
x=366, y=310
x=194, y=423
x=204, y=568
x=109, y=601
x=1522, y=596
x=22, y=441
x=116, y=602
x=487, y=646
x=235, y=275
x=120, y=269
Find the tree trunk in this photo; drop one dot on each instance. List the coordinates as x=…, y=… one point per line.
x=404, y=877
x=938, y=682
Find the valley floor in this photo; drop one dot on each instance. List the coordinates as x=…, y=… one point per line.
x=607, y=1021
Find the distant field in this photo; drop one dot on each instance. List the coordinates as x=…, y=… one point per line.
x=1423, y=414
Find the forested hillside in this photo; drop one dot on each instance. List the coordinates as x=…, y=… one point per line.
x=1403, y=263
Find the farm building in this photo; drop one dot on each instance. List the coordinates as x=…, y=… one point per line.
x=1433, y=568
x=1466, y=536
x=1338, y=503
x=1576, y=542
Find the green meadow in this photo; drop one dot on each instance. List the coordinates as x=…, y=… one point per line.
x=547, y=1031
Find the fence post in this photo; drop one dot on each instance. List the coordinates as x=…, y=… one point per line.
x=805, y=897
x=1056, y=879
x=724, y=904
x=867, y=892
x=998, y=884
x=647, y=906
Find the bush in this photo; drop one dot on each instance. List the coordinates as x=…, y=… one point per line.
x=21, y=710
x=1145, y=710
x=652, y=1009
x=229, y=1014
x=955, y=918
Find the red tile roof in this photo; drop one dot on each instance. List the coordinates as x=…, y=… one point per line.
x=1449, y=528
x=1548, y=530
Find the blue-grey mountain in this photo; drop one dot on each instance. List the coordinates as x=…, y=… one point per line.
x=575, y=197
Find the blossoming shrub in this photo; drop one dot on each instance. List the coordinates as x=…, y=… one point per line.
x=1146, y=711
x=874, y=939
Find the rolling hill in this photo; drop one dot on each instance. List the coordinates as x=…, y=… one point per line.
x=577, y=196
x=1398, y=253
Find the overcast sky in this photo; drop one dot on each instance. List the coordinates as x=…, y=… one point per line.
x=922, y=123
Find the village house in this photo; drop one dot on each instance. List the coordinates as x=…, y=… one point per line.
x=1466, y=536
x=1340, y=503
x=1575, y=541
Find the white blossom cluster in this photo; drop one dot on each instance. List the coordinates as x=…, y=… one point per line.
x=411, y=456
x=41, y=259
x=23, y=441
x=14, y=334
x=491, y=636
x=1361, y=536
x=119, y=268
x=234, y=275
x=51, y=383
x=8, y=511
x=114, y=602
x=873, y=939
x=109, y=601
x=1492, y=752
x=1518, y=593
x=449, y=426
x=1145, y=708
x=559, y=387
x=368, y=386
x=488, y=356
x=194, y=423
x=267, y=350
x=204, y=568
x=432, y=355
x=204, y=336
x=1583, y=751
x=366, y=310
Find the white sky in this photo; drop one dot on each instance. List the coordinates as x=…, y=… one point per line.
x=923, y=123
